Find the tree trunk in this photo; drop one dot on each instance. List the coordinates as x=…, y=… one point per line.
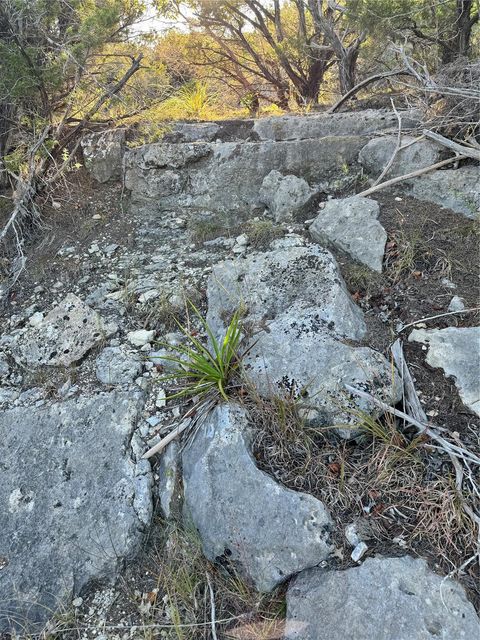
x=308, y=91
x=459, y=42
x=282, y=97
x=347, y=67
x=7, y=113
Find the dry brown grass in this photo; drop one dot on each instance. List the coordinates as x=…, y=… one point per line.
x=167, y=595
x=388, y=477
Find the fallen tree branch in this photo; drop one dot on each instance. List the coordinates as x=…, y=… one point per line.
x=387, y=167
x=454, y=146
x=410, y=393
x=430, y=431
x=413, y=174
x=160, y=446
x=192, y=420
x=365, y=83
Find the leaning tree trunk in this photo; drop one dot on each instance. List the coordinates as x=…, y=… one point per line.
x=7, y=113
x=347, y=68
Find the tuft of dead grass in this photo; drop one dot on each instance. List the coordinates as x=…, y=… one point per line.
x=262, y=232
x=168, y=594
x=388, y=476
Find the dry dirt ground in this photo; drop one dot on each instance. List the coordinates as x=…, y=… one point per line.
x=399, y=490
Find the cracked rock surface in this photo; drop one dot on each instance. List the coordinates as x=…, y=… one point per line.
x=304, y=321
x=64, y=336
x=77, y=503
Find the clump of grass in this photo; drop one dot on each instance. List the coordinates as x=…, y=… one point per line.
x=409, y=251
x=183, y=581
x=160, y=313
x=360, y=278
x=201, y=369
x=208, y=229
x=262, y=232
x=388, y=478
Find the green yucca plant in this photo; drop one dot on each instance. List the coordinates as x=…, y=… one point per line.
x=202, y=369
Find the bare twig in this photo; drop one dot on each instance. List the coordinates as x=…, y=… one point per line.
x=415, y=407
x=191, y=420
x=397, y=147
x=412, y=174
x=440, y=315
x=410, y=393
x=422, y=428
x=212, y=607
x=160, y=446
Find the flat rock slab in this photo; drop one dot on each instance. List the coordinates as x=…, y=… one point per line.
x=73, y=504
x=241, y=513
x=64, y=336
x=456, y=350
x=114, y=365
x=269, y=283
x=321, y=125
x=383, y=599
x=299, y=311
x=351, y=224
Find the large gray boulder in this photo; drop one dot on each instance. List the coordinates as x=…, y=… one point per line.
x=73, y=502
x=456, y=350
x=241, y=513
x=193, y=176
x=64, y=336
x=269, y=284
x=455, y=189
x=103, y=154
x=285, y=196
x=383, y=599
x=351, y=225
x=301, y=315
x=377, y=153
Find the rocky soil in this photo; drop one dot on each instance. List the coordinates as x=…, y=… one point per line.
x=298, y=509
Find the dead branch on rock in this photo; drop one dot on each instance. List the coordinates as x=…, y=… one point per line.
x=387, y=167
x=191, y=420
x=413, y=174
x=411, y=399
x=365, y=83
x=451, y=97
x=462, y=149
